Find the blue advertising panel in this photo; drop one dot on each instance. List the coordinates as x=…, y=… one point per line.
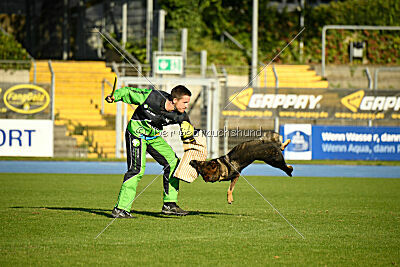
x=300, y=147
x=355, y=143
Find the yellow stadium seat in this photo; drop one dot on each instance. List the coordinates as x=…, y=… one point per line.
x=291, y=76
x=78, y=98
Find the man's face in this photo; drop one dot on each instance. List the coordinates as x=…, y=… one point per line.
x=182, y=103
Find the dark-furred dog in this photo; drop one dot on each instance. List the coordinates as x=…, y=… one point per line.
x=227, y=168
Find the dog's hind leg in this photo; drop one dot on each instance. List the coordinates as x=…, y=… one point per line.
x=231, y=187
x=284, y=145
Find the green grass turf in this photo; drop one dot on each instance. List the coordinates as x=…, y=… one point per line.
x=52, y=219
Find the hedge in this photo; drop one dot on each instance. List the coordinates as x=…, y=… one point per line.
x=10, y=49
x=206, y=19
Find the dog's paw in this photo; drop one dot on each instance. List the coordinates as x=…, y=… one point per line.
x=290, y=170
x=230, y=198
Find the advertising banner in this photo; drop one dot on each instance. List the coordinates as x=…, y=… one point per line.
x=25, y=101
x=342, y=104
x=356, y=143
x=301, y=145
x=26, y=138
x=341, y=142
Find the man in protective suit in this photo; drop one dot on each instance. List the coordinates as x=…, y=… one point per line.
x=155, y=110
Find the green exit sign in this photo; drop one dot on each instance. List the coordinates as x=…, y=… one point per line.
x=169, y=65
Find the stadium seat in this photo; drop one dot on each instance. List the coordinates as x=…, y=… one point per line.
x=78, y=99
x=292, y=76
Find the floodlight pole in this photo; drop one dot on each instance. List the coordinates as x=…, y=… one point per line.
x=184, y=39
x=254, y=52
x=149, y=23
x=65, y=30
x=301, y=44
x=124, y=22
x=161, y=29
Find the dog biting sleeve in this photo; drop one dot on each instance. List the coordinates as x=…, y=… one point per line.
x=192, y=151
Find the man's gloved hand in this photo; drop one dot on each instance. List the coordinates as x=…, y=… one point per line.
x=110, y=99
x=187, y=131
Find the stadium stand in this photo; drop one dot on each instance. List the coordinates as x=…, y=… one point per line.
x=292, y=76
x=78, y=99
x=78, y=103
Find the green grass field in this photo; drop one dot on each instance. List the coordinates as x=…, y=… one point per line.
x=53, y=219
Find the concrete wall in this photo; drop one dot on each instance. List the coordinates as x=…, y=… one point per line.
x=342, y=76
x=346, y=76
x=14, y=76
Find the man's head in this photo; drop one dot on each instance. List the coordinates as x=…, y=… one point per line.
x=180, y=97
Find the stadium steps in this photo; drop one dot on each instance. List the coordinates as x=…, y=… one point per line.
x=66, y=146
x=80, y=139
x=92, y=155
x=78, y=99
x=292, y=76
x=103, y=142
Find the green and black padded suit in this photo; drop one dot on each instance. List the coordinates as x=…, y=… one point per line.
x=143, y=134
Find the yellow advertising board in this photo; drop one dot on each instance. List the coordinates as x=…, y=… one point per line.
x=20, y=100
x=313, y=103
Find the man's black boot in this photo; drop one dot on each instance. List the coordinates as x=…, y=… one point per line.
x=171, y=208
x=123, y=214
